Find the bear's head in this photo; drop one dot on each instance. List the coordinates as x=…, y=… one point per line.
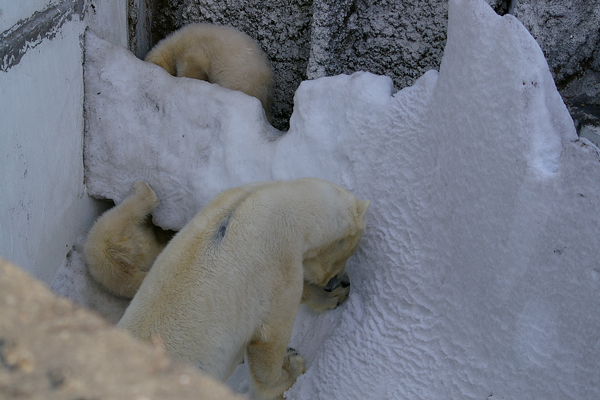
x=324, y=265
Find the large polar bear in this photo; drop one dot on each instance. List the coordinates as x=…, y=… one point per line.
x=231, y=281
x=217, y=54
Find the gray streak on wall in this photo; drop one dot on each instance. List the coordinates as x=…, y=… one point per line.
x=27, y=34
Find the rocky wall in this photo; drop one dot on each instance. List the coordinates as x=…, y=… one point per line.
x=401, y=39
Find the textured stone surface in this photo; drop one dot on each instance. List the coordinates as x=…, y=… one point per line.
x=401, y=40
x=52, y=349
x=568, y=33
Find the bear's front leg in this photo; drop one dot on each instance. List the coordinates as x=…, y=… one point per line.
x=318, y=299
x=273, y=366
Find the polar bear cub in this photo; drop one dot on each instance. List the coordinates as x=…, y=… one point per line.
x=121, y=246
x=231, y=281
x=217, y=54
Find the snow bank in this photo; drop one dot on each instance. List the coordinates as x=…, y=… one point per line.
x=478, y=275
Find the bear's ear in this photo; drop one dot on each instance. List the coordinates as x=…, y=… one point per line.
x=362, y=207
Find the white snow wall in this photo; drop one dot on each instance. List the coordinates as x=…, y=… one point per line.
x=43, y=202
x=478, y=275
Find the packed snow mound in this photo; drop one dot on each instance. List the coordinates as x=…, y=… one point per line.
x=478, y=274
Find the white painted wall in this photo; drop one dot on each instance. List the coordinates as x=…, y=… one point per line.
x=44, y=205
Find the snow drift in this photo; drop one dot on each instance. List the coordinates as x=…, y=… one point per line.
x=478, y=275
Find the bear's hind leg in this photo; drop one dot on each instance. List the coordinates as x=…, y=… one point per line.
x=121, y=246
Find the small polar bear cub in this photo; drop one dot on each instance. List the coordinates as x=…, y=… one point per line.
x=217, y=54
x=121, y=246
x=231, y=281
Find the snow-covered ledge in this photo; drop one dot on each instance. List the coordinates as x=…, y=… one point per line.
x=478, y=275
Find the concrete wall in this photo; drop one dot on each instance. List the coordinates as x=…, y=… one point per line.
x=43, y=201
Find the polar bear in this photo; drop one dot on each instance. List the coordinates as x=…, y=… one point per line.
x=122, y=244
x=217, y=54
x=231, y=281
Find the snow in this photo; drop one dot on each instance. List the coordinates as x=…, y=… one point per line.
x=478, y=274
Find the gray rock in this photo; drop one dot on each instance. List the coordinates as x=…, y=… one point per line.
x=401, y=40
x=568, y=33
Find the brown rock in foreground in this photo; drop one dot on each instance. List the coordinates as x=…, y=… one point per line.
x=53, y=349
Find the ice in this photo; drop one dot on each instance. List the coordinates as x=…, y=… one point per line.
x=478, y=276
